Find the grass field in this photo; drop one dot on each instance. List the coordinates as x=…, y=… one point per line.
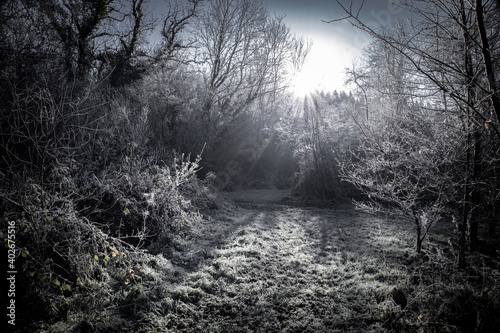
x=257, y=265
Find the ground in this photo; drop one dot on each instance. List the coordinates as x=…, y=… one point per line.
x=263, y=266
x=263, y=262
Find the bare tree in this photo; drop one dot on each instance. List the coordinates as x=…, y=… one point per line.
x=84, y=31
x=245, y=54
x=429, y=43
x=405, y=164
x=454, y=75
x=174, y=24
x=125, y=68
x=75, y=24
x=406, y=169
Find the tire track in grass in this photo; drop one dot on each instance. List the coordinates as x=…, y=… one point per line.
x=288, y=269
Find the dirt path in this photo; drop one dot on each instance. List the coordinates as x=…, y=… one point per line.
x=260, y=266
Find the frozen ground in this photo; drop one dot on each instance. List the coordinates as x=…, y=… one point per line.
x=262, y=263
x=260, y=266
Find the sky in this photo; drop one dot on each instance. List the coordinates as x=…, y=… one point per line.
x=336, y=44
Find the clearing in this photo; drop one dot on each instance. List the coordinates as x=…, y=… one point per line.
x=263, y=266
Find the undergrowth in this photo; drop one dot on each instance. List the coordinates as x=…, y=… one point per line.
x=82, y=237
x=277, y=268
x=436, y=296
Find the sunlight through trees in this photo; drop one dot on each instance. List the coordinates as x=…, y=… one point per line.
x=159, y=172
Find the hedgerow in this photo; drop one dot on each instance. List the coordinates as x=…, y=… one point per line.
x=81, y=235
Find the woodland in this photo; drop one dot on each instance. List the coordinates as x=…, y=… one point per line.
x=157, y=174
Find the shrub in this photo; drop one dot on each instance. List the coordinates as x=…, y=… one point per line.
x=142, y=202
x=59, y=252
x=79, y=236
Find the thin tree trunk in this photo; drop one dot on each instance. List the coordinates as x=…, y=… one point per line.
x=488, y=63
x=475, y=194
x=419, y=239
x=205, y=117
x=492, y=223
x=495, y=205
x=462, y=227
x=471, y=99
x=418, y=226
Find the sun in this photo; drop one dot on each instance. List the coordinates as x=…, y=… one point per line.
x=324, y=69
x=305, y=82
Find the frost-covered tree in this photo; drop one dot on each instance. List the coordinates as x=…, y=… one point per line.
x=405, y=167
x=245, y=54
x=405, y=164
x=451, y=51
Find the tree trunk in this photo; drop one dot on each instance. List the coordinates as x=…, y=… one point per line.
x=461, y=239
x=495, y=205
x=475, y=194
x=462, y=227
x=419, y=239
x=418, y=226
x=492, y=222
x=205, y=117
x=488, y=63
x=471, y=100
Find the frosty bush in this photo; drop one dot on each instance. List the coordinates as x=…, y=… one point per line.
x=405, y=166
x=143, y=202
